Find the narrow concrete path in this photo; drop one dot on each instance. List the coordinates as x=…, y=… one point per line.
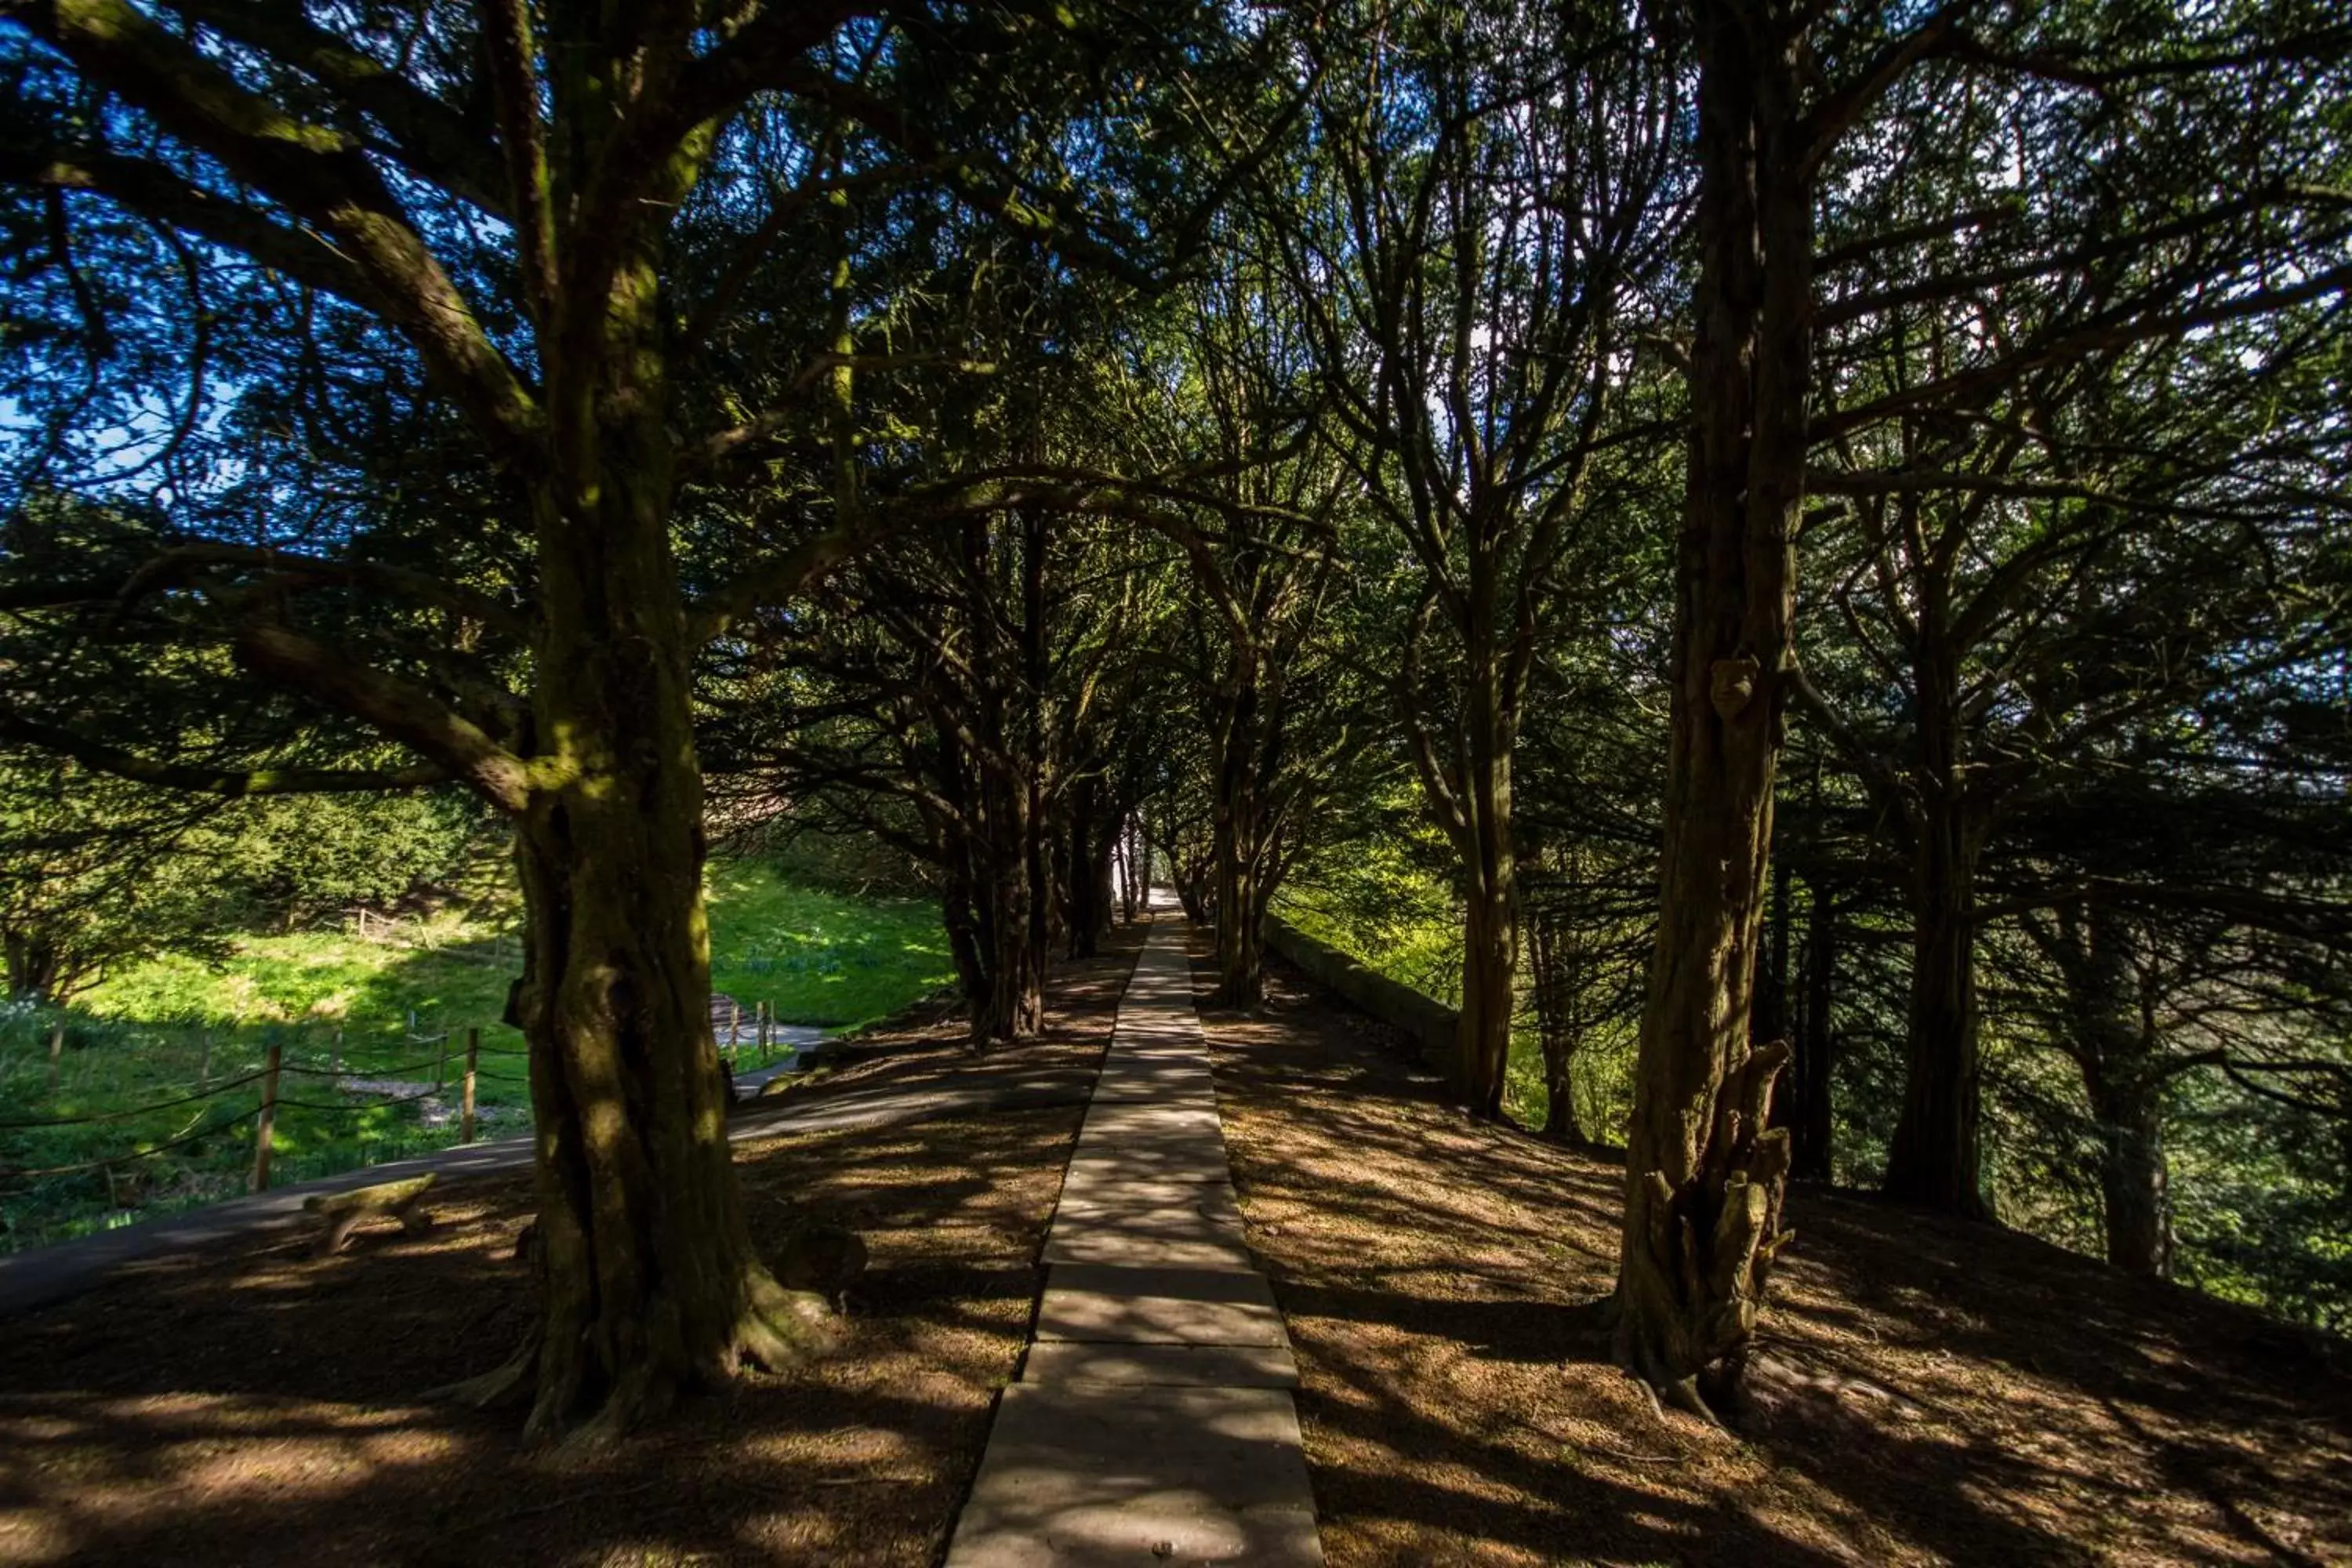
x=1153, y=1422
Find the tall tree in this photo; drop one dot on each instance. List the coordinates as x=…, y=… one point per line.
x=512, y=203
x=1487, y=219
x=2106, y=372
x=1791, y=123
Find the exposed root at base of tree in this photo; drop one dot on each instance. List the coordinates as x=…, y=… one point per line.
x=781, y=1328
x=777, y=1329
x=502, y=1386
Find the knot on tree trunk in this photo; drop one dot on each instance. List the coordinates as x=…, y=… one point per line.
x=1731, y=685
x=1692, y=1298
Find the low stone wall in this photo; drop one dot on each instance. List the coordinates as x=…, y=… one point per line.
x=1430, y=1024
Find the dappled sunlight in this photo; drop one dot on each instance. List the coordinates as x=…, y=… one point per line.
x=1927, y=1391
x=252, y=1404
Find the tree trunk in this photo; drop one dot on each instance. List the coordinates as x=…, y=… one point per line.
x=1770, y=1020
x=1241, y=979
x=1192, y=875
x=1104, y=898
x=2133, y=1179
x=960, y=913
x=2117, y=1046
x=1489, y=967
x=1037, y=766
x=34, y=964
x=1934, y=1160
x=1079, y=887
x=1815, y=1063
x=1014, y=1007
x=1558, y=980
x=1245, y=755
x=1704, y=1173
x=1131, y=871
x=1490, y=932
x=652, y=1284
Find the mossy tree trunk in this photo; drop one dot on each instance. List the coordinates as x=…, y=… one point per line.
x=652, y=1282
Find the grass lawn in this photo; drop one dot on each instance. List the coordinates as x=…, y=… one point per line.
x=392, y=1012
x=820, y=958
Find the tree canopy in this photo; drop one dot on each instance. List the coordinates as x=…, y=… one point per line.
x=1806, y=542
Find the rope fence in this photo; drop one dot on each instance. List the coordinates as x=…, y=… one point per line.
x=264, y=1114
x=181, y=1142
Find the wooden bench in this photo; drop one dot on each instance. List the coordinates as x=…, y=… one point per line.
x=346, y=1212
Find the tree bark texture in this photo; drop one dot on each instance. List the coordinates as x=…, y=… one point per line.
x=652, y=1284
x=1483, y=836
x=1705, y=1174
x=1554, y=957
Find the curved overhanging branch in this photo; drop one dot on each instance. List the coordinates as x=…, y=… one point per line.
x=320, y=174
x=400, y=711
x=200, y=780
x=179, y=566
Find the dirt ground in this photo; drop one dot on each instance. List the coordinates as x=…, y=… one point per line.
x=254, y=1405
x=1931, y=1392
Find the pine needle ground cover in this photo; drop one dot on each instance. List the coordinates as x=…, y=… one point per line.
x=1929, y=1391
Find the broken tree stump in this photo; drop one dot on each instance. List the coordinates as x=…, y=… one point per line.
x=346, y=1212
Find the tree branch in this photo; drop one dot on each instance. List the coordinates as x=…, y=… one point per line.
x=320, y=174
x=124, y=765
x=402, y=711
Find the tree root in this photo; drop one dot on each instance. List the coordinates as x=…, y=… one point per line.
x=505, y=1385
x=776, y=1329
x=1683, y=1395
x=779, y=1329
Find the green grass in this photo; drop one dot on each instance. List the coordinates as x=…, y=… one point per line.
x=377, y=1009
x=820, y=958
x=1383, y=906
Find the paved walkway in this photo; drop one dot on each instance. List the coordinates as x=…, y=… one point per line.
x=1153, y=1421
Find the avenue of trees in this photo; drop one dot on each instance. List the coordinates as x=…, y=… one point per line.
x=1813, y=535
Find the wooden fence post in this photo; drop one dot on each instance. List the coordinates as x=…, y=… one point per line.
x=336, y=1064
x=473, y=1055
x=204, y=1072
x=767, y=1024
x=57, y=1050
x=441, y=1073
x=266, y=1127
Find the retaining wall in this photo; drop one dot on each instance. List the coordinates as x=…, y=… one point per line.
x=1431, y=1025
